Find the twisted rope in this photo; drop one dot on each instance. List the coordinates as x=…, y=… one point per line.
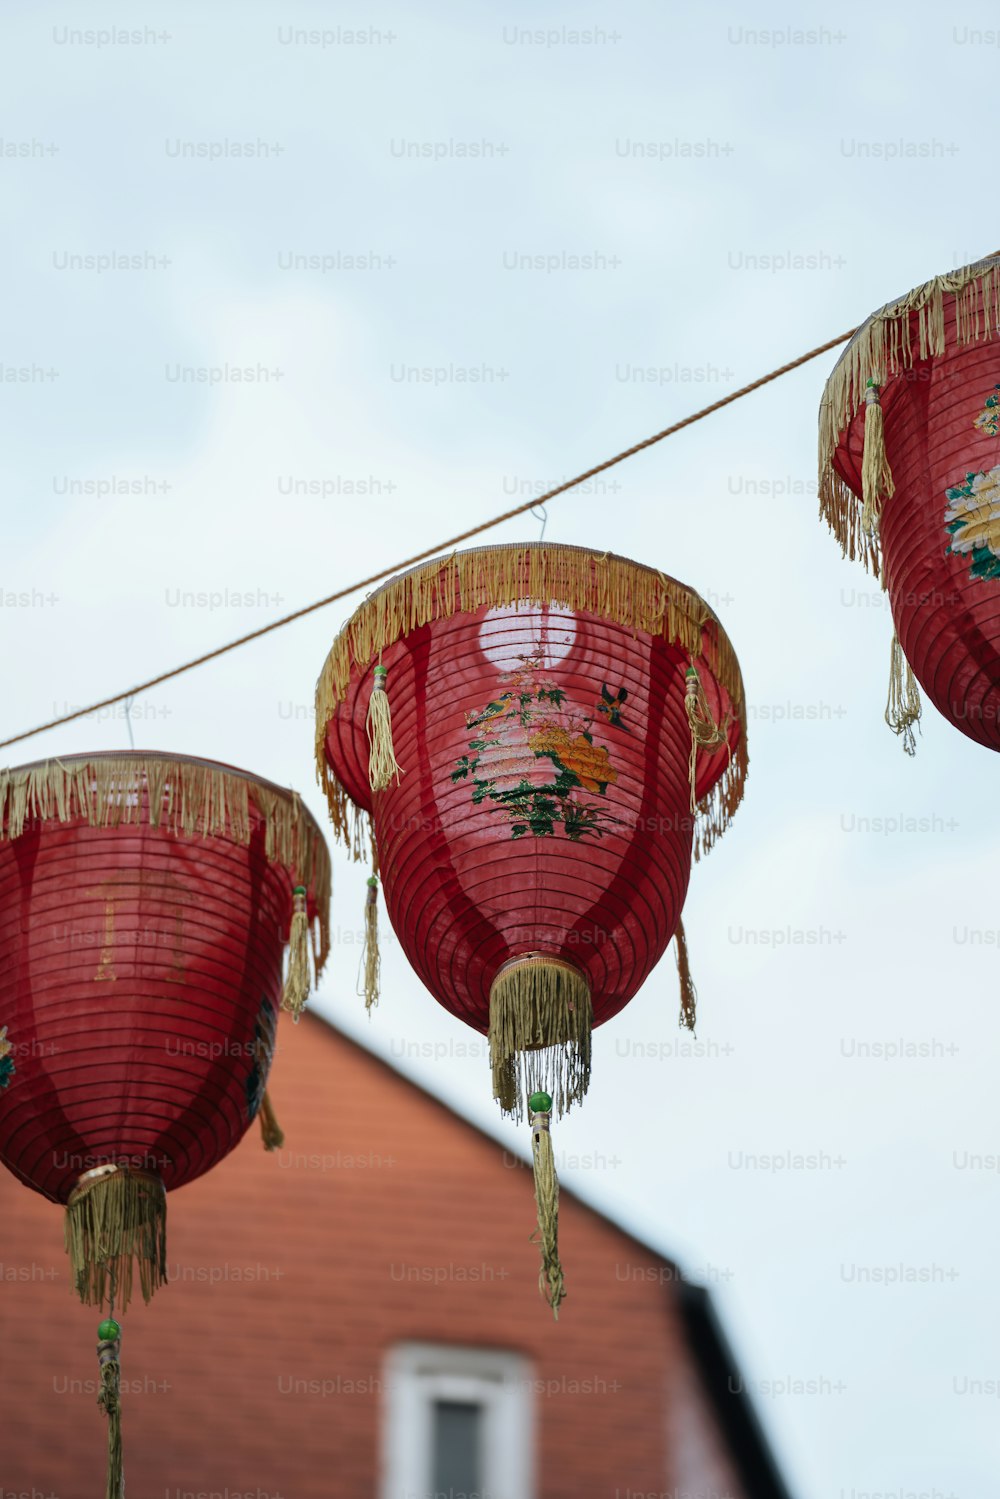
x=443, y=546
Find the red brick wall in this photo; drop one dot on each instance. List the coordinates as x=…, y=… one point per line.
x=299, y=1267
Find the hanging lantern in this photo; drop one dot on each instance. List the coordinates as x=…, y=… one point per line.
x=145, y=902
x=910, y=483
x=537, y=737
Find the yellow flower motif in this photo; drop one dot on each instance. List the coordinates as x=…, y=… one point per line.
x=979, y=514
x=588, y=762
x=5, y=1045
x=550, y=740
x=591, y=763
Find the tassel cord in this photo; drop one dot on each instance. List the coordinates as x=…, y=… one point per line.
x=551, y=1280
x=383, y=768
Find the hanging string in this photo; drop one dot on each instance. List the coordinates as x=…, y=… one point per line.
x=448, y=545
x=128, y=721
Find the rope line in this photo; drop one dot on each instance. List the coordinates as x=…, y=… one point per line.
x=440, y=547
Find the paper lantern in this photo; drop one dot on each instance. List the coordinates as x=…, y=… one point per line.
x=565, y=728
x=910, y=483
x=145, y=902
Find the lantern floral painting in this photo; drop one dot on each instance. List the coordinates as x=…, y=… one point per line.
x=546, y=796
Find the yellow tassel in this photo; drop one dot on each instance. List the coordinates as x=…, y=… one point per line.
x=109, y=1399
x=876, y=476
x=551, y=1282
x=705, y=732
x=689, y=994
x=382, y=765
x=371, y=962
x=297, y=980
x=116, y=1217
x=903, y=709
x=271, y=1132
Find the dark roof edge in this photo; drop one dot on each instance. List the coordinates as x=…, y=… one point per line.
x=723, y=1383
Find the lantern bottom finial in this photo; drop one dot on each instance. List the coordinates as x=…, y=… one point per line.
x=540, y=1023
x=116, y=1218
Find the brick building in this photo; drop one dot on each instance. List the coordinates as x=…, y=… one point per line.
x=357, y=1317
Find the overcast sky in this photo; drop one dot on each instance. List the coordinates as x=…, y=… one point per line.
x=583, y=239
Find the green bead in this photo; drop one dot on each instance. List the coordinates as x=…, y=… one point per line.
x=299, y=890
x=381, y=671
x=109, y=1330
x=540, y=1103
x=373, y=882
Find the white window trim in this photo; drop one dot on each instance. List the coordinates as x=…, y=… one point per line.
x=418, y=1374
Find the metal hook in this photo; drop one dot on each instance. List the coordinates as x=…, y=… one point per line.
x=544, y=518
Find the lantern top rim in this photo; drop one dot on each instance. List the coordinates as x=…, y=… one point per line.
x=206, y=799
x=434, y=564
x=85, y=757
x=401, y=605
x=948, y=281
x=881, y=348
x=638, y=598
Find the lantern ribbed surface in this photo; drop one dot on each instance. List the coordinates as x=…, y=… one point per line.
x=543, y=810
x=145, y=901
x=934, y=356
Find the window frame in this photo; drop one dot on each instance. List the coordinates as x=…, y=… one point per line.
x=497, y=1380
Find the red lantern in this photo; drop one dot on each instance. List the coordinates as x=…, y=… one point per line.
x=144, y=905
x=145, y=902
x=910, y=481
x=567, y=725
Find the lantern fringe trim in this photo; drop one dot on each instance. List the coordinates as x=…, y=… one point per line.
x=637, y=598
x=116, y=1218
x=189, y=798
x=271, y=1132
x=903, y=708
x=689, y=994
x=109, y=1399
x=541, y=1019
x=883, y=346
x=551, y=1281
